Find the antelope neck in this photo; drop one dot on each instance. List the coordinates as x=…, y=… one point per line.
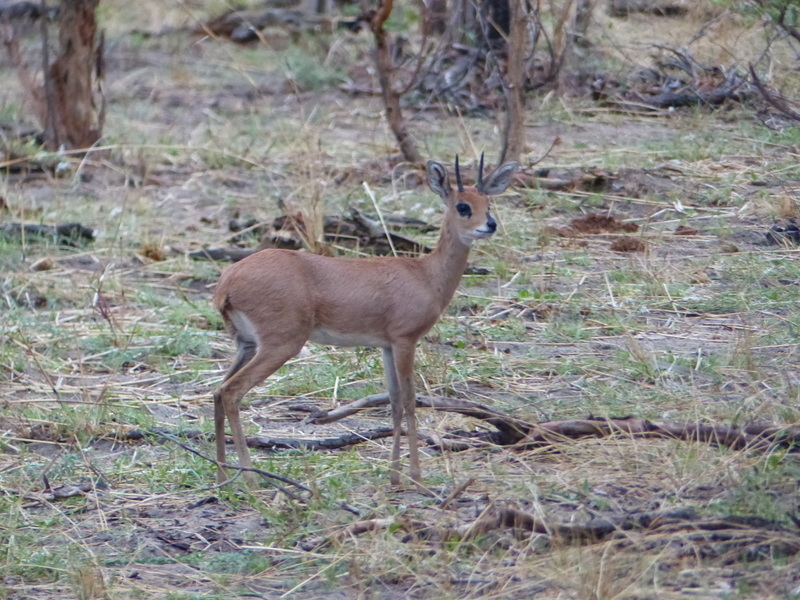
x=446, y=263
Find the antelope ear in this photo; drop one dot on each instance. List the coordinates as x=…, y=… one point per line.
x=500, y=179
x=438, y=180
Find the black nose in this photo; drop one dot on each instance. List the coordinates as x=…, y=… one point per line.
x=491, y=223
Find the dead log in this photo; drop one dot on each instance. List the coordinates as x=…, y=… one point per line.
x=690, y=97
x=329, y=416
x=723, y=534
x=656, y=89
x=225, y=254
x=680, y=520
x=525, y=435
x=358, y=231
x=511, y=430
x=70, y=234
x=14, y=11
x=524, y=524
x=342, y=534
x=784, y=234
x=753, y=437
x=349, y=439
x=243, y=26
x=61, y=492
x=658, y=8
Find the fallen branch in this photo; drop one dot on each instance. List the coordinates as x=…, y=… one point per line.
x=706, y=86
x=359, y=527
x=510, y=428
x=262, y=442
x=61, y=492
x=682, y=520
x=525, y=523
x=226, y=254
x=692, y=97
x=357, y=231
x=321, y=417
x=68, y=233
x=723, y=533
x=13, y=11
x=625, y=8
x=343, y=441
x=754, y=436
x=524, y=434
x=243, y=26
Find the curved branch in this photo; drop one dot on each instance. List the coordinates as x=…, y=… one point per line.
x=391, y=97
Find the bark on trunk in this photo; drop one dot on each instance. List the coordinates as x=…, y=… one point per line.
x=391, y=97
x=72, y=117
x=514, y=132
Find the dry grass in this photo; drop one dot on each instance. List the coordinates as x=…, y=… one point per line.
x=119, y=335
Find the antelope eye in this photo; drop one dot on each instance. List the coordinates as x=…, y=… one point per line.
x=464, y=209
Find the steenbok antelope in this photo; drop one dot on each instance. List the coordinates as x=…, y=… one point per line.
x=274, y=301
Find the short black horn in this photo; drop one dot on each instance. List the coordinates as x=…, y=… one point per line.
x=458, y=177
x=480, y=175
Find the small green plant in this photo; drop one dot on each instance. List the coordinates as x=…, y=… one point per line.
x=307, y=73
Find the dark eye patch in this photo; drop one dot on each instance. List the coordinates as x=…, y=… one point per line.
x=464, y=209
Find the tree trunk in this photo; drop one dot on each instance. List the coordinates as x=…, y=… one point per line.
x=72, y=118
x=564, y=20
x=514, y=131
x=391, y=97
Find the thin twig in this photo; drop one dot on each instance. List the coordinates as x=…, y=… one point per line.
x=371, y=195
x=239, y=470
x=556, y=141
x=460, y=489
x=35, y=357
x=262, y=472
x=771, y=99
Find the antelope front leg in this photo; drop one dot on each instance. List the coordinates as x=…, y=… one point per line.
x=396, y=402
x=404, y=366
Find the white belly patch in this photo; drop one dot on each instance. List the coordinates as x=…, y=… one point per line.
x=328, y=337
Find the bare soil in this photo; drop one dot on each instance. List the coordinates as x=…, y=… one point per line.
x=185, y=161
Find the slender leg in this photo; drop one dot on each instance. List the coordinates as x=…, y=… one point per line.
x=219, y=434
x=246, y=350
x=246, y=377
x=396, y=402
x=404, y=366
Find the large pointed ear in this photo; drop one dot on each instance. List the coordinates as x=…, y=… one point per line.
x=438, y=179
x=499, y=180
